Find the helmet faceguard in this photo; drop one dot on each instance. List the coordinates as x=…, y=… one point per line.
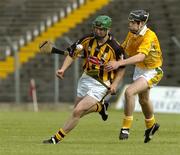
x=140, y=17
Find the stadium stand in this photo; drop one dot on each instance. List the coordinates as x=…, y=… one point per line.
x=26, y=15
x=21, y=16
x=17, y=18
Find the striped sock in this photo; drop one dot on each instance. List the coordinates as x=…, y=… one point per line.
x=59, y=135
x=98, y=107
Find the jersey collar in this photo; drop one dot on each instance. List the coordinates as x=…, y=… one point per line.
x=143, y=30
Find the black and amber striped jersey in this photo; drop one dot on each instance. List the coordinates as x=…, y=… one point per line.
x=96, y=56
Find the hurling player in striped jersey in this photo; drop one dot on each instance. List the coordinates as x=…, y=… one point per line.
x=98, y=48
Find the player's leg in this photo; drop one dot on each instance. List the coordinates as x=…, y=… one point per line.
x=105, y=105
x=90, y=102
x=101, y=107
x=92, y=92
x=147, y=108
x=153, y=77
x=79, y=110
x=60, y=133
x=136, y=87
x=146, y=105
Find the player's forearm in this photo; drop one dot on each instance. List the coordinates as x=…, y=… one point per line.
x=132, y=60
x=67, y=62
x=119, y=76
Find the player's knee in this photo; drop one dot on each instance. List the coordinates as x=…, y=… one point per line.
x=129, y=93
x=77, y=112
x=143, y=100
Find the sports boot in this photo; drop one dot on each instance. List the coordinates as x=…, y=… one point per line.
x=150, y=132
x=52, y=140
x=103, y=112
x=124, y=134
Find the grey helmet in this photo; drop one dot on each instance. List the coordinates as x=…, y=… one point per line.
x=138, y=15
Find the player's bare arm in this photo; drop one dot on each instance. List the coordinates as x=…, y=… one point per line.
x=67, y=62
x=117, y=80
x=113, y=65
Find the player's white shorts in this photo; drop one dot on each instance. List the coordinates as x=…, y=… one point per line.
x=90, y=86
x=152, y=76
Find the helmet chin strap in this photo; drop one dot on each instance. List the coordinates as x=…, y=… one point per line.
x=134, y=32
x=138, y=31
x=100, y=38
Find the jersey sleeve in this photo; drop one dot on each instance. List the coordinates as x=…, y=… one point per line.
x=118, y=51
x=72, y=49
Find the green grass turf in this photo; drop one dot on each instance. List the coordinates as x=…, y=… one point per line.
x=21, y=133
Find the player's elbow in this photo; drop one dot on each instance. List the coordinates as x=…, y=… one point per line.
x=141, y=57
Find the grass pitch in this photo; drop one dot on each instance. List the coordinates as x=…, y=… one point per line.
x=21, y=133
